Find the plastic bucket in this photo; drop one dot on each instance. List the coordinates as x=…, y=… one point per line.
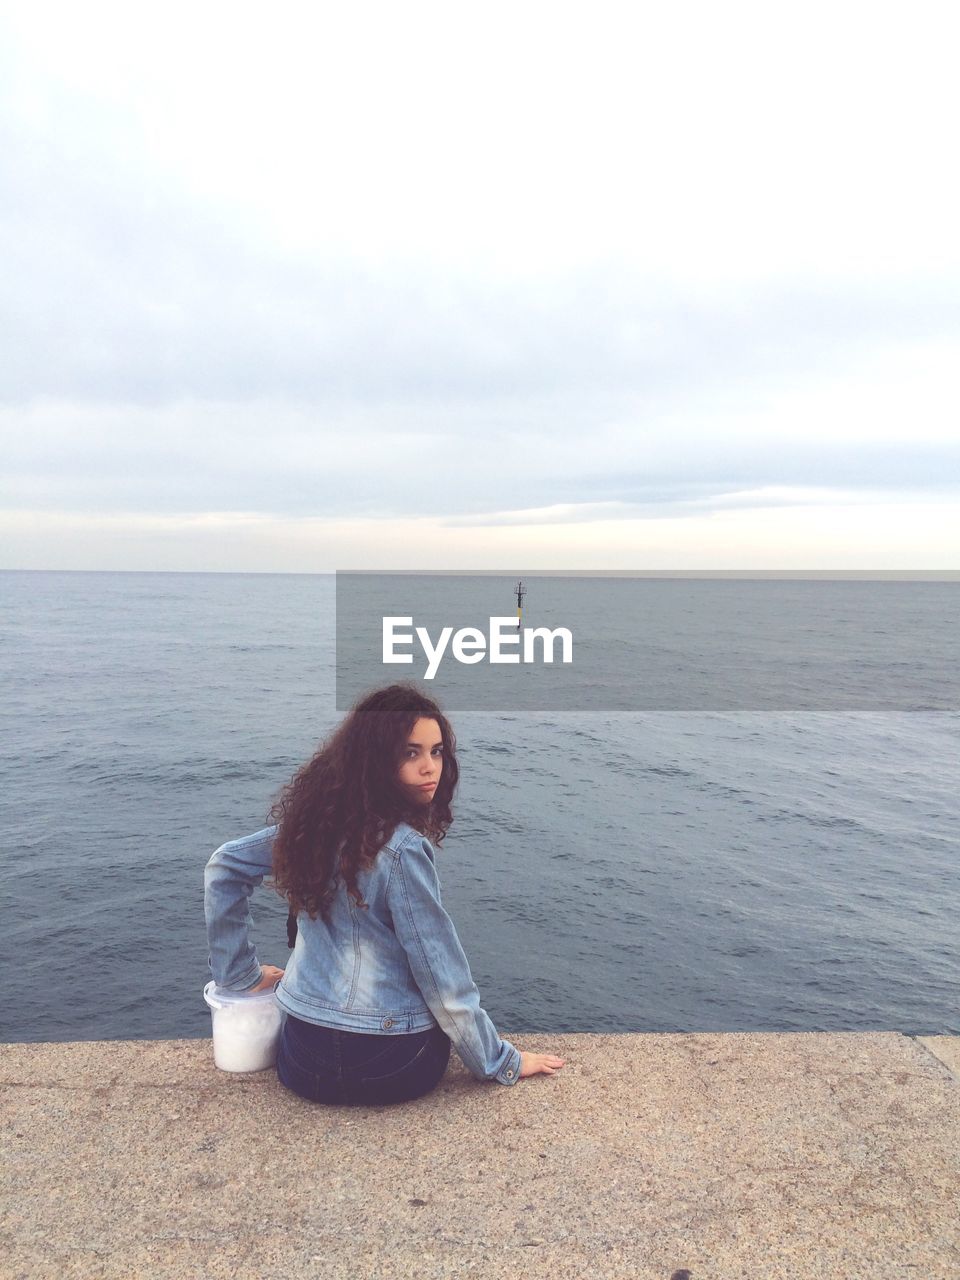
x=246, y=1029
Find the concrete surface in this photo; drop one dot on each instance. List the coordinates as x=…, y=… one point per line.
x=700, y=1156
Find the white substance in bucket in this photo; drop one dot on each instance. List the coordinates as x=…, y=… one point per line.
x=246, y=1031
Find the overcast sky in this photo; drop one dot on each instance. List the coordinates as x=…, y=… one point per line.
x=314, y=286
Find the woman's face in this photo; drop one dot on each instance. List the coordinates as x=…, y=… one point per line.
x=421, y=761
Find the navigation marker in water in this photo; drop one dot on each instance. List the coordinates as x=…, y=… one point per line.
x=520, y=593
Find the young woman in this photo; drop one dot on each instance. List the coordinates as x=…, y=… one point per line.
x=378, y=986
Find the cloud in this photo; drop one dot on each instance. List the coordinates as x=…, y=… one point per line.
x=883, y=536
x=116, y=292
x=317, y=269
x=888, y=427
x=147, y=209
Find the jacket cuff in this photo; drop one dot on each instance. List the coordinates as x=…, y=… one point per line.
x=509, y=1073
x=245, y=983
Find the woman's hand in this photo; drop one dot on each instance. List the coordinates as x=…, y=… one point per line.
x=532, y=1064
x=270, y=975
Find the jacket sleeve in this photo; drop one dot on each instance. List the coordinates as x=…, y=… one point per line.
x=229, y=878
x=440, y=966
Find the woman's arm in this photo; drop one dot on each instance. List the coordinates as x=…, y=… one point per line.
x=229, y=878
x=440, y=967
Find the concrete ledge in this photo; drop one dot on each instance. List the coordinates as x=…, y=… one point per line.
x=648, y=1156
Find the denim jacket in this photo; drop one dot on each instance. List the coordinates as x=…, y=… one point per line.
x=392, y=967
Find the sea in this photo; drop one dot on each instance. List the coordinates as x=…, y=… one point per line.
x=608, y=870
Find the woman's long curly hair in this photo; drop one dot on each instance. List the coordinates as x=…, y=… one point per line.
x=342, y=806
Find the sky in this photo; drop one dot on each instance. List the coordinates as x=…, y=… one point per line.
x=311, y=287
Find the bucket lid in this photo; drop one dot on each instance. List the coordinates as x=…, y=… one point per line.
x=220, y=999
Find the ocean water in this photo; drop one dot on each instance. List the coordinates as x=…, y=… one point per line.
x=607, y=871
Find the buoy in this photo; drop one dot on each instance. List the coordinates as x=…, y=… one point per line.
x=520, y=591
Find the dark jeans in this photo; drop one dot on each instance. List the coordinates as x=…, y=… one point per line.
x=324, y=1064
